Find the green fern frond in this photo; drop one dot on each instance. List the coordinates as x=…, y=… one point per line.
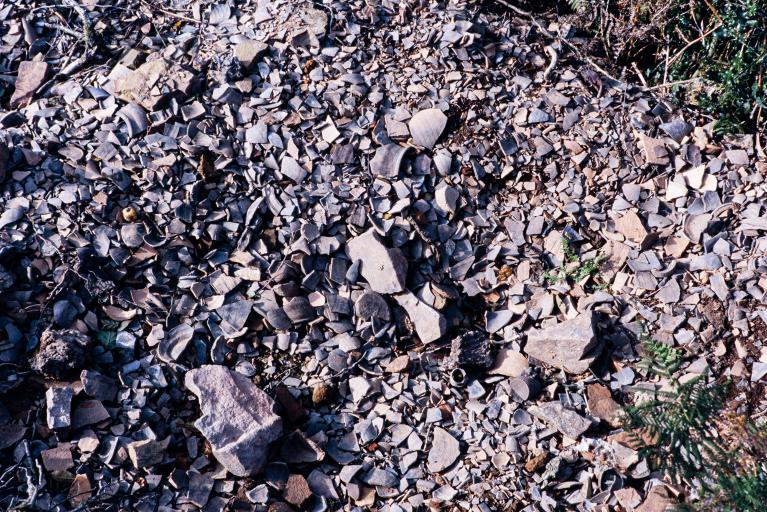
x=578, y=6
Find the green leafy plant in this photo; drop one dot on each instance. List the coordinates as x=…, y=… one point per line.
x=723, y=42
x=572, y=267
x=107, y=335
x=684, y=431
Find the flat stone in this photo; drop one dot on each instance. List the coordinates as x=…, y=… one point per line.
x=322, y=485
x=657, y=500
x=654, y=150
x=11, y=434
x=80, y=490
x=429, y=323
x=628, y=497
x=151, y=83
x=670, y=293
x=381, y=478
x=299, y=310
x=384, y=269
x=601, y=404
x=297, y=491
x=89, y=412
x=509, y=363
x=147, y=452
x=200, y=487
x=372, y=305
x=248, y=51
x=360, y=388
x=238, y=419
x=571, y=345
x=567, y=421
x=58, y=402
x=427, y=126
x=445, y=450
x=398, y=365
x=631, y=226
x=98, y=386
x=299, y=449
x=58, y=459
x=447, y=198
x=290, y=168
x=30, y=76
x=677, y=129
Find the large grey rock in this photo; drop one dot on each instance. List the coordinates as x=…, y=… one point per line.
x=567, y=421
x=238, y=418
x=571, y=345
x=384, y=269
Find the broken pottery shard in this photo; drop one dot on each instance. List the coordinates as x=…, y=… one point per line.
x=80, y=490
x=57, y=459
x=297, y=491
x=58, y=402
x=427, y=126
x=571, y=345
x=387, y=161
x=567, y=421
x=61, y=353
x=30, y=77
x=238, y=418
x=134, y=118
x=429, y=323
x=444, y=451
x=384, y=269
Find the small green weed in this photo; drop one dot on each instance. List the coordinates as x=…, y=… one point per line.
x=573, y=268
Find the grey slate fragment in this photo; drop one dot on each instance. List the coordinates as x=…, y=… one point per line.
x=567, y=421
x=98, y=386
x=444, y=451
x=427, y=126
x=292, y=169
x=372, y=305
x=429, y=323
x=381, y=478
x=58, y=403
x=237, y=419
x=677, y=129
x=571, y=345
x=200, y=487
x=383, y=268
